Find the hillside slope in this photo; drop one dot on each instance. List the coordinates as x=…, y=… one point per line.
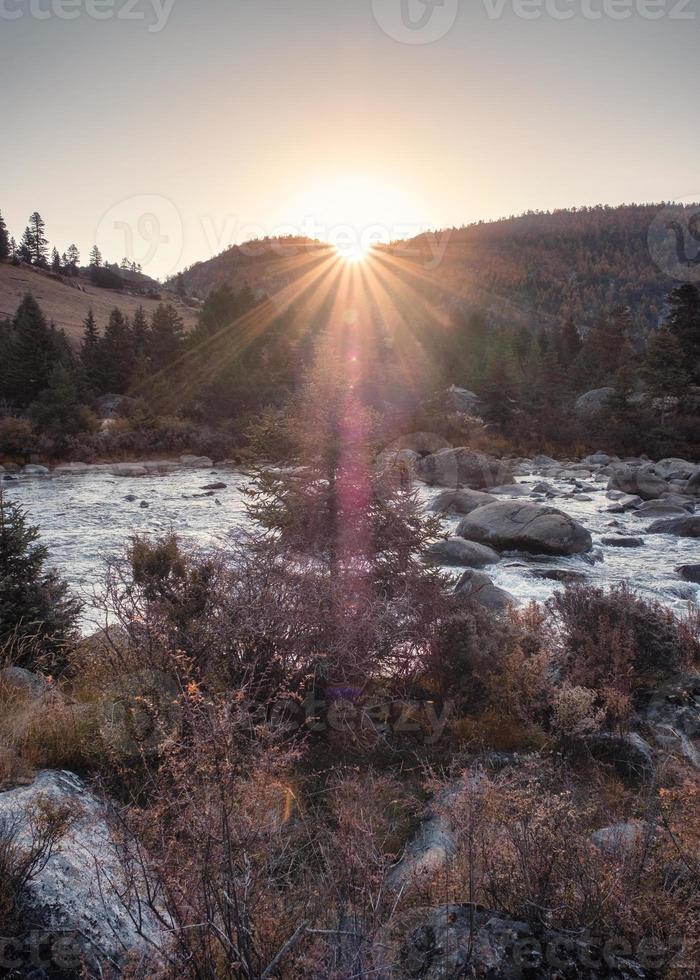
x=67, y=301
x=536, y=269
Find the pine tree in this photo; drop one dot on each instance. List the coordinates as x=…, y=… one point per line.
x=14, y=252
x=115, y=355
x=337, y=530
x=89, y=353
x=665, y=366
x=33, y=350
x=166, y=337
x=58, y=411
x=55, y=261
x=73, y=259
x=4, y=241
x=34, y=243
x=607, y=347
x=568, y=343
x=35, y=604
x=95, y=257
x=684, y=323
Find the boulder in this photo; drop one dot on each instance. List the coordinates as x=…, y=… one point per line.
x=558, y=574
x=661, y=508
x=478, y=587
x=457, y=551
x=526, y=527
x=638, y=480
x=463, y=400
x=452, y=467
x=114, y=406
x=597, y=459
x=629, y=754
x=674, y=716
x=684, y=527
x=593, y=402
x=128, y=469
x=80, y=890
x=512, y=490
x=623, y=542
x=691, y=573
x=34, y=469
x=17, y=680
x=459, y=501
x=217, y=485
x=64, y=469
x=197, y=462
x=692, y=484
x=622, y=838
x=674, y=468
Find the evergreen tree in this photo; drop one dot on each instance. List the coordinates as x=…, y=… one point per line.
x=336, y=529
x=89, y=353
x=568, y=343
x=25, y=252
x=665, y=366
x=58, y=411
x=35, y=604
x=115, y=357
x=73, y=259
x=607, y=347
x=684, y=323
x=55, y=261
x=32, y=352
x=4, y=241
x=95, y=257
x=166, y=337
x=34, y=244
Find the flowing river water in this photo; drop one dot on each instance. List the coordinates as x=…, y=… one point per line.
x=83, y=519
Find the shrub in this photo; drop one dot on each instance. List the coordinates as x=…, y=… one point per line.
x=617, y=642
x=16, y=436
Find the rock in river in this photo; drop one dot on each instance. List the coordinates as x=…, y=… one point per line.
x=684, y=527
x=457, y=551
x=478, y=587
x=460, y=501
x=526, y=527
x=451, y=467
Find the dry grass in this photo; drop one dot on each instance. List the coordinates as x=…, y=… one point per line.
x=67, y=305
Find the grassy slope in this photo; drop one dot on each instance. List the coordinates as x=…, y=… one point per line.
x=67, y=303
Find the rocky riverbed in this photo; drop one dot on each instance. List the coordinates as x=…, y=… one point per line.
x=86, y=513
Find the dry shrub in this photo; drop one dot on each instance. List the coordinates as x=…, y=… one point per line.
x=524, y=849
x=619, y=644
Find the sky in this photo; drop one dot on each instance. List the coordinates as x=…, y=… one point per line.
x=166, y=130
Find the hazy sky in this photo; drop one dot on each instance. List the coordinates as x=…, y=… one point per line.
x=204, y=118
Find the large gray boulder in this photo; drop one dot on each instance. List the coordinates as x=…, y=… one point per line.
x=457, y=551
x=478, y=587
x=673, y=468
x=526, y=527
x=684, y=527
x=593, y=402
x=692, y=484
x=639, y=480
x=452, y=467
x=463, y=400
x=114, y=406
x=459, y=501
x=80, y=890
x=629, y=754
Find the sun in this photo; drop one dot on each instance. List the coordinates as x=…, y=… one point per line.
x=354, y=212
